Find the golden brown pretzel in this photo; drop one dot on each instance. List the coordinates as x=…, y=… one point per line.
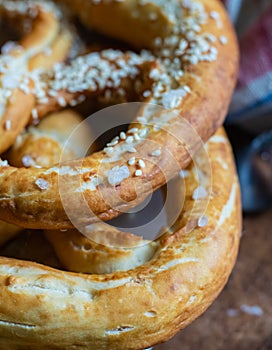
x=46, y=44
x=43, y=146
x=190, y=69
x=44, y=308
x=108, y=251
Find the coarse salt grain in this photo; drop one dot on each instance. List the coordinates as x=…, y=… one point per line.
x=3, y=163
x=183, y=174
x=232, y=312
x=252, y=310
x=42, y=184
x=173, y=98
x=203, y=221
x=118, y=174
x=28, y=161
x=156, y=153
x=199, y=193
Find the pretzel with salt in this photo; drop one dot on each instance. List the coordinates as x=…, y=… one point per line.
x=179, y=275
x=189, y=67
x=43, y=146
x=46, y=44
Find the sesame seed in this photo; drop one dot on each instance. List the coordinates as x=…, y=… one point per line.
x=138, y=173
x=52, y=93
x=137, y=137
x=133, y=130
x=123, y=135
x=108, y=150
x=132, y=161
x=130, y=139
x=141, y=164
x=144, y=133
x=112, y=143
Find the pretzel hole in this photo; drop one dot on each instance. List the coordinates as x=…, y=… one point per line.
x=9, y=33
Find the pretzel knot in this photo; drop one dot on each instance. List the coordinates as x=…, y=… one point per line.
x=187, y=68
x=182, y=69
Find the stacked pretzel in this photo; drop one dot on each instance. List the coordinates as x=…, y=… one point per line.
x=113, y=289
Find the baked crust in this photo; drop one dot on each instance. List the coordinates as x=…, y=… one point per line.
x=46, y=44
x=210, y=82
x=51, y=309
x=43, y=146
x=187, y=84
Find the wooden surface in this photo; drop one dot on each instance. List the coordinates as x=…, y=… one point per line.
x=241, y=318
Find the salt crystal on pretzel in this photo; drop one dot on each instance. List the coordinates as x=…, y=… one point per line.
x=171, y=281
x=163, y=286
x=31, y=52
x=187, y=71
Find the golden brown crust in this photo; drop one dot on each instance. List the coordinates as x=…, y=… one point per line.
x=47, y=44
x=107, y=251
x=164, y=285
x=204, y=108
x=47, y=308
x=43, y=146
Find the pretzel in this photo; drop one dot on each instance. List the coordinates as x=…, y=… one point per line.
x=46, y=308
x=46, y=44
x=189, y=67
x=43, y=146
